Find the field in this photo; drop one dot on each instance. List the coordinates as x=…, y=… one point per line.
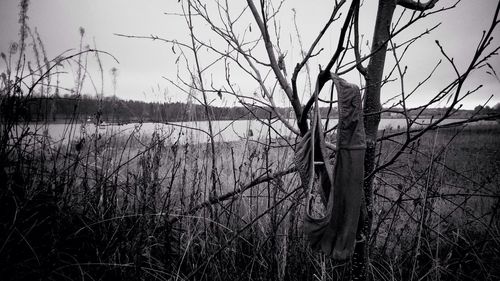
x=106, y=207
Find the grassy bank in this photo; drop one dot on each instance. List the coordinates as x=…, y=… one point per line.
x=141, y=208
x=438, y=207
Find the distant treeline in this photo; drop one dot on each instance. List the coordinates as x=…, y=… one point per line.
x=110, y=109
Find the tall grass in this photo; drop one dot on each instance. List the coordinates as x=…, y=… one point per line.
x=437, y=208
x=100, y=205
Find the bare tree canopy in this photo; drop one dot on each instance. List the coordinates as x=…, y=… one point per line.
x=261, y=55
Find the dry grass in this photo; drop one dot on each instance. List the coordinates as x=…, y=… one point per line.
x=104, y=211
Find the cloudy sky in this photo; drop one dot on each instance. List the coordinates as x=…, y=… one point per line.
x=143, y=63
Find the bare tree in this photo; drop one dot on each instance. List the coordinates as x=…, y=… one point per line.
x=247, y=40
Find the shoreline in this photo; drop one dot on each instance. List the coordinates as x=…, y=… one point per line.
x=107, y=122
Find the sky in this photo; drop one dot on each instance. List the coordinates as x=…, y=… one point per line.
x=143, y=63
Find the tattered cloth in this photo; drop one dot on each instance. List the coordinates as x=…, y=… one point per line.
x=342, y=193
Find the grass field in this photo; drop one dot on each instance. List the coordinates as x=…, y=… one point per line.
x=135, y=208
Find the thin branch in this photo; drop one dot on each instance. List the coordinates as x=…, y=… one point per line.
x=417, y=5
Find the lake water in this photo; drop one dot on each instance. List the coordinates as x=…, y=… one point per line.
x=224, y=130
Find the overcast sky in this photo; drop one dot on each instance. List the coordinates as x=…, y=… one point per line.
x=143, y=63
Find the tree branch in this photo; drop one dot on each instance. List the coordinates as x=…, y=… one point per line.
x=272, y=58
x=309, y=53
x=359, y=63
x=324, y=75
x=417, y=5
x=233, y=193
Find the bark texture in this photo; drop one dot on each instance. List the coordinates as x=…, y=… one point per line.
x=372, y=108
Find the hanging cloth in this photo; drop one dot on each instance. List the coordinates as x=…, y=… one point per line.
x=341, y=185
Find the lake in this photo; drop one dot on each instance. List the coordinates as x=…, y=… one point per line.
x=196, y=131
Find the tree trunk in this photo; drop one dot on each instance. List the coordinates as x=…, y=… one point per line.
x=372, y=108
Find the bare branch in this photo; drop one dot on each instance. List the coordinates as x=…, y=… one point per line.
x=272, y=57
x=417, y=5
x=359, y=63
x=154, y=38
x=308, y=55
x=340, y=47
